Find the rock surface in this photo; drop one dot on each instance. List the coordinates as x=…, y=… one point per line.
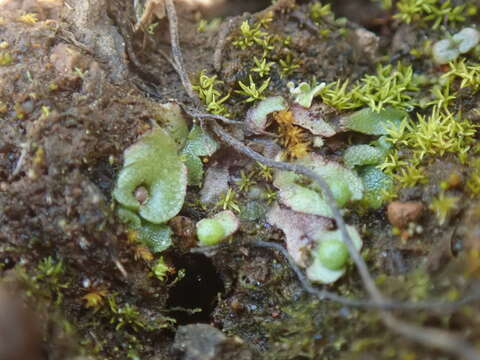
x=204, y=342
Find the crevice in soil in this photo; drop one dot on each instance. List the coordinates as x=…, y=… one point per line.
x=197, y=290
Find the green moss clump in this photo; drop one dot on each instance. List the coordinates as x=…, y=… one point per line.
x=5, y=59
x=390, y=86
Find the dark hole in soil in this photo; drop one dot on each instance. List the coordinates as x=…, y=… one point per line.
x=198, y=289
x=234, y=7
x=7, y=263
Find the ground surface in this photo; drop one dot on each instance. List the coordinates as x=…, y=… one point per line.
x=81, y=86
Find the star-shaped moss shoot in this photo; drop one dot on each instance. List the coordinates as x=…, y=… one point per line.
x=153, y=164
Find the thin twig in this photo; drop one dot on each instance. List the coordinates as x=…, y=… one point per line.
x=169, y=60
x=199, y=115
x=176, y=50
x=307, y=22
x=432, y=337
x=222, y=39
x=120, y=268
x=21, y=159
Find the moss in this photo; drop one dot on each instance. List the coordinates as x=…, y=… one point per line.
x=228, y=201
x=466, y=71
x=434, y=134
x=443, y=206
x=435, y=12
x=390, y=86
x=288, y=65
x=264, y=172
x=411, y=175
x=251, y=91
x=322, y=13
x=245, y=181
x=439, y=133
x=49, y=274
x=95, y=298
x=292, y=137
x=262, y=67
x=207, y=89
x=473, y=184
x=250, y=35
x=29, y=18
x=160, y=269
x=5, y=58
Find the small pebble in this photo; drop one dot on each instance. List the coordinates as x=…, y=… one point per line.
x=401, y=213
